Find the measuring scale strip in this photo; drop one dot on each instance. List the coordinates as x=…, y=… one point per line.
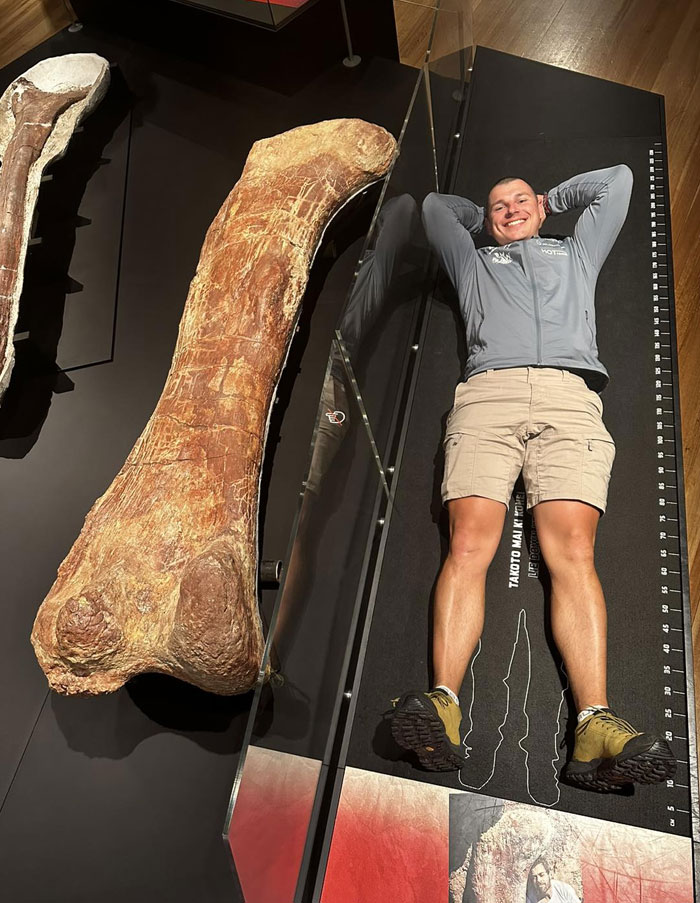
x=674, y=675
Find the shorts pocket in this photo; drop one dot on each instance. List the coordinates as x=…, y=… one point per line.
x=598, y=457
x=460, y=453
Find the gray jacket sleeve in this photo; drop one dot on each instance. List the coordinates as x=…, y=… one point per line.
x=605, y=195
x=449, y=221
x=397, y=220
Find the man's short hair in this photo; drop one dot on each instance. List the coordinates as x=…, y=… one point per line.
x=506, y=179
x=544, y=862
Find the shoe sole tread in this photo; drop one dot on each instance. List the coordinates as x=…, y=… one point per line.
x=647, y=766
x=415, y=728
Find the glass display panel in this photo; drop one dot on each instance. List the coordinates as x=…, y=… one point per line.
x=267, y=835
x=321, y=606
x=378, y=325
x=449, y=61
x=298, y=698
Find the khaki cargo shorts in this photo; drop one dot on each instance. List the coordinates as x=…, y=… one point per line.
x=544, y=422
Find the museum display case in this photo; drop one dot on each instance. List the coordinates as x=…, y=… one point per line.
x=325, y=806
x=304, y=701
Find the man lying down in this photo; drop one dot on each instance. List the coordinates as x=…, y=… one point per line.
x=529, y=402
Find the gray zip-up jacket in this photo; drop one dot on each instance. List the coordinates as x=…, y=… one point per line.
x=531, y=302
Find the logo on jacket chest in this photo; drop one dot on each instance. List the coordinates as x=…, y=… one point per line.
x=551, y=247
x=500, y=257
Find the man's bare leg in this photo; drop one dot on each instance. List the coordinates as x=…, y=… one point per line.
x=566, y=533
x=608, y=751
x=476, y=525
x=429, y=723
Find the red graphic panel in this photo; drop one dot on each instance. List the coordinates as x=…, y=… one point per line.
x=390, y=842
x=270, y=822
x=628, y=865
x=408, y=842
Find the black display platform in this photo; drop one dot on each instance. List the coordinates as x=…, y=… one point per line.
x=123, y=797
x=369, y=824
x=516, y=709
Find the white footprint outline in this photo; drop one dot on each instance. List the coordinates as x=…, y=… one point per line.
x=522, y=623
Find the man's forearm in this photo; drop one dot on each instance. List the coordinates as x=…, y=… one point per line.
x=448, y=221
x=588, y=187
x=452, y=207
x=605, y=195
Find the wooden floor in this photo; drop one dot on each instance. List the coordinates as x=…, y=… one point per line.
x=26, y=23
x=648, y=44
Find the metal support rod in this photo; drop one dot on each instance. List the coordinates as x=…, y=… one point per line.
x=270, y=571
x=351, y=59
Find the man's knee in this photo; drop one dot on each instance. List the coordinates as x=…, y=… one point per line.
x=569, y=547
x=476, y=525
x=566, y=534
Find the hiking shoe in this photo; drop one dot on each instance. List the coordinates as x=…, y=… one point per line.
x=609, y=752
x=428, y=724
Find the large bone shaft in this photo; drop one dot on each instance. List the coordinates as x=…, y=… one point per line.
x=38, y=114
x=163, y=576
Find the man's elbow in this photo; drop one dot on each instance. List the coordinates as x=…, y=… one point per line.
x=619, y=184
x=431, y=208
x=622, y=175
x=431, y=202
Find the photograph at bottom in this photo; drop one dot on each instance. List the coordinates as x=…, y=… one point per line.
x=516, y=853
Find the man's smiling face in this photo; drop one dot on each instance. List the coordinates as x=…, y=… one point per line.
x=513, y=212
